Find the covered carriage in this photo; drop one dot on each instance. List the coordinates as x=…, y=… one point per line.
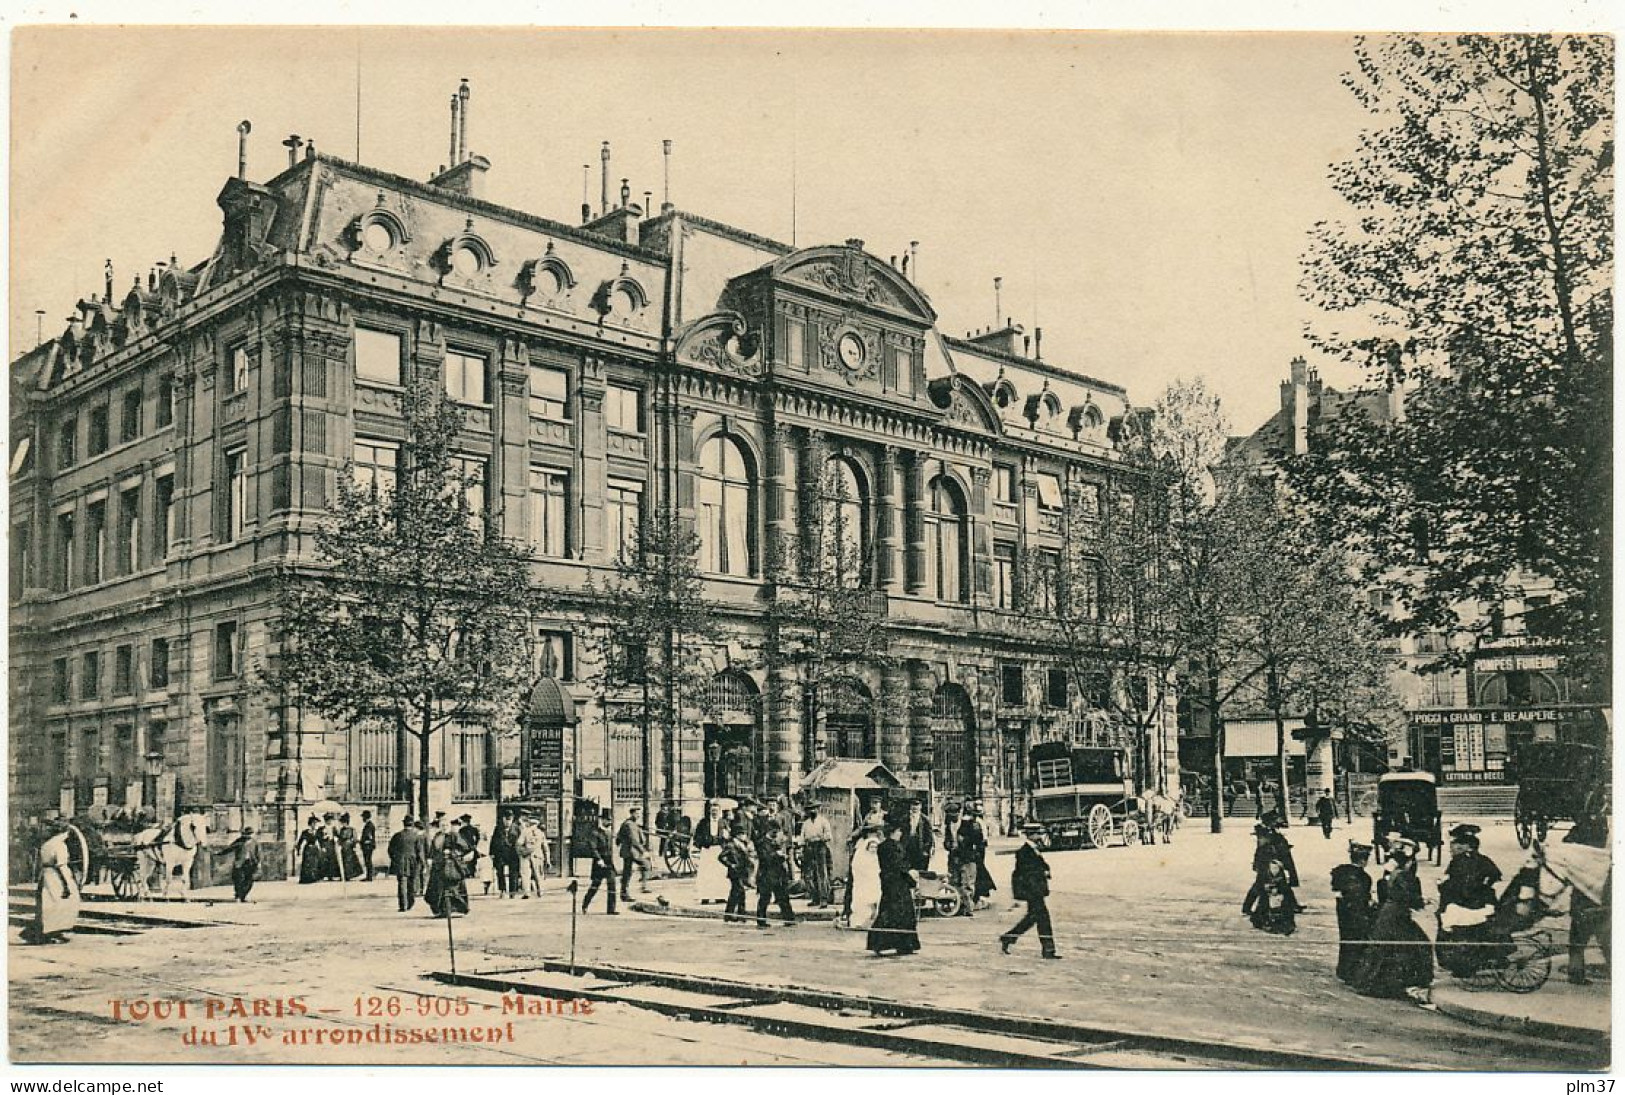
x=1408, y=804
x=1555, y=780
x=1083, y=795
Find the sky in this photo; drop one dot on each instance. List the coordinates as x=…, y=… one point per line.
x=1144, y=196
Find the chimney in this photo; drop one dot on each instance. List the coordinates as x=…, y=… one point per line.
x=466, y=178
x=586, y=180
x=1038, y=344
x=665, y=200
x=1299, y=395
x=998, y=303
x=914, y=256
x=462, y=122
x=648, y=201
x=1026, y=345
x=603, y=185
x=107, y=279
x=242, y=148
x=310, y=149
x=292, y=144
x=451, y=148
x=905, y=264
x=626, y=193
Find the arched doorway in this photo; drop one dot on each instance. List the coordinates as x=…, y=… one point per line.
x=953, y=743
x=732, y=719
x=849, y=720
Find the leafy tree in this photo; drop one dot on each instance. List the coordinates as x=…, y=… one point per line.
x=659, y=637
x=1295, y=633
x=1475, y=273
x=413, y=613
x=826, y=618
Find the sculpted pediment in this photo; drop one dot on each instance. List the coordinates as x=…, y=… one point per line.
x=854, y=275
x=721, y=340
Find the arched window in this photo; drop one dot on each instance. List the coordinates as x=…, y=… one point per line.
x=945, y=542
x=842, y=522
x=727, y=508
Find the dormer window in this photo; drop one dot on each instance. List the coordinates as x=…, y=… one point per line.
x=466, y=262
x=377, y=238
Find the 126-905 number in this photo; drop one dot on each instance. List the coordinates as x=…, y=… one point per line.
x=392, y=1007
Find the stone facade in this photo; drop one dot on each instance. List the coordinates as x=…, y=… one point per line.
x=605, y=364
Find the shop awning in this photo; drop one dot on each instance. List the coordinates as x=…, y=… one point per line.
x=550, y=705
x=1251, y=738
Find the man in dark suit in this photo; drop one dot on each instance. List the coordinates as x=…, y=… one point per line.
x=406, y=856
x=1030, y=883
x=918, y=839
x=369, y=842
x=603, y=864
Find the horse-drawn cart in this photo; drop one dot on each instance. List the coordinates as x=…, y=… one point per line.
x=1555, y=780
x=118, y=860
x=1081, y=793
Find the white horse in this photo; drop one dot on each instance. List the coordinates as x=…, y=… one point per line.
x=170, y=848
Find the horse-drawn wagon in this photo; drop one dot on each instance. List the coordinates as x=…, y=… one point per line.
x=1555, y=781
x=1083, y=793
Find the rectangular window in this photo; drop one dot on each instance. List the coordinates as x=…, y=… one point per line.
x=121, y=766
x=226, y=759
x=1004, y=483
x=549, y=393
x=1089, y=499
x=555, y=655
x=471, y=762
x=237, y=370
x=471, y=476
x=64, y=551
x=1012, y=686
x=90, y=675
x=129, y=530
x=1004, y=576
x=67, y=443
x=130, y=418
x=549, y=500
x=623, y=409
x=95, y=541
x=163, y=515
x=377, y=356
x=1085, y=591
x=90, y=761
x=236, y=494
x=165, y=411
x=59, y=680
x=1097, y=691
x=225, y=650
x=96, y=443
x=22, y=560
x=466, y=377
x=158, y=670
x=1049, y=491
x=1055, y=688
x=1043, y=595
x=123, y=671
x=375, y=465
x=623, y=510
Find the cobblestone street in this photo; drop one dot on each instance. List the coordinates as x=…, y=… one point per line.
x=1152, y=939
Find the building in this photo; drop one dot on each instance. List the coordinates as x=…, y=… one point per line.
x=181, y=439
x=1465, y=721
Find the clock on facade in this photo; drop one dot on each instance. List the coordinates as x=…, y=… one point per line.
x=852, y=351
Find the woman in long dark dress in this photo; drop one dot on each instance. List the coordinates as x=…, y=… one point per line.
x=896, y=924
x=449, y=868
x=1397, y=956
x=349, y=850
x=310, y=847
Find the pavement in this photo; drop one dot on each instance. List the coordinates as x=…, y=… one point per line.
x=1152, y=938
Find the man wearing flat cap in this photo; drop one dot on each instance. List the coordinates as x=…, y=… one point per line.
x=1029, y=882
x=1352, y=884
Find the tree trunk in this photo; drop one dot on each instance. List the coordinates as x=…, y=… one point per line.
x=425, y=734
x=1216, y=724
x=1280, y=747
x=648, y=750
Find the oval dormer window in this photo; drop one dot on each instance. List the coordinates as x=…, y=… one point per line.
x=466, y=261
x=377, y=238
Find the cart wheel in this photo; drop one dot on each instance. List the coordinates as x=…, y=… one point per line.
x=680, y=864
x=124, y=887
x=1131, y=832
x=1100, y=825
x=947, y=902
x=1529, y=964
